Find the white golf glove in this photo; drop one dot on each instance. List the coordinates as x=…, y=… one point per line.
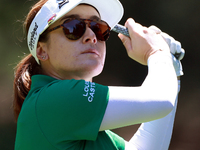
x=175, y=48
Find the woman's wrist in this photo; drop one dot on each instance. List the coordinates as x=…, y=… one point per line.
x=160, y=56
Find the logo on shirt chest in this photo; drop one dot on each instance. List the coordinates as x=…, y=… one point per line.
x=89, y=90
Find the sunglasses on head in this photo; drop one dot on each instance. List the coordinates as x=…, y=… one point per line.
x=74, y=28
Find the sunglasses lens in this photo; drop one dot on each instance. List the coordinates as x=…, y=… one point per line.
x=74, y=29
x=101, y=29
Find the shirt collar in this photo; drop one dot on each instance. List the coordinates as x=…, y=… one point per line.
x=38, y=81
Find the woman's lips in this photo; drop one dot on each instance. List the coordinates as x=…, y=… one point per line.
x=91, y=51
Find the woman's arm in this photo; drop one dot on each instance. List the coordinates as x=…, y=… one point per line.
x=155, y=134
x=153, y=100
x=156, y=97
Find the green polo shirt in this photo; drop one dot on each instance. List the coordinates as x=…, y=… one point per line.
x=64, y=115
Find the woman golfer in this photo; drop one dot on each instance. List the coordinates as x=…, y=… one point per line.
x=57, y=105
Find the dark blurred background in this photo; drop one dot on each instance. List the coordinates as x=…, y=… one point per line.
x=179, y=18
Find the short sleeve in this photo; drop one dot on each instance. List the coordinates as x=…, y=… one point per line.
x=69, y=110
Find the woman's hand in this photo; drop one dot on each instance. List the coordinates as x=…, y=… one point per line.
x=143, y=42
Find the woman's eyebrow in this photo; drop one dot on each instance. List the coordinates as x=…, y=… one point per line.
x=70, y=16
x=77, y=16
x=95, y=17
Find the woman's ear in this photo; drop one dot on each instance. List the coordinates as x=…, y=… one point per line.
x=41, y=51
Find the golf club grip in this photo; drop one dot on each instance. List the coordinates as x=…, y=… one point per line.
x=121, y=29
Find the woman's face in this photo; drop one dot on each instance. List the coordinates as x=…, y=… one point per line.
x=68, y=59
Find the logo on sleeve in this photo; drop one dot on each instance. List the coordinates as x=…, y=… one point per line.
x=89, y=90
x=61, y=3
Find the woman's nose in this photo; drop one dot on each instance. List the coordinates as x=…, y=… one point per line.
x=89, y=36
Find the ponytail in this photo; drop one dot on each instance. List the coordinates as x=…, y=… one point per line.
x=22, y=82
x=27, y=66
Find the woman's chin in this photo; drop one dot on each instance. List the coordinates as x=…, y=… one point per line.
x=93, y=71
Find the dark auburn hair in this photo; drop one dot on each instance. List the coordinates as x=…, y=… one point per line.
x=27, y=67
